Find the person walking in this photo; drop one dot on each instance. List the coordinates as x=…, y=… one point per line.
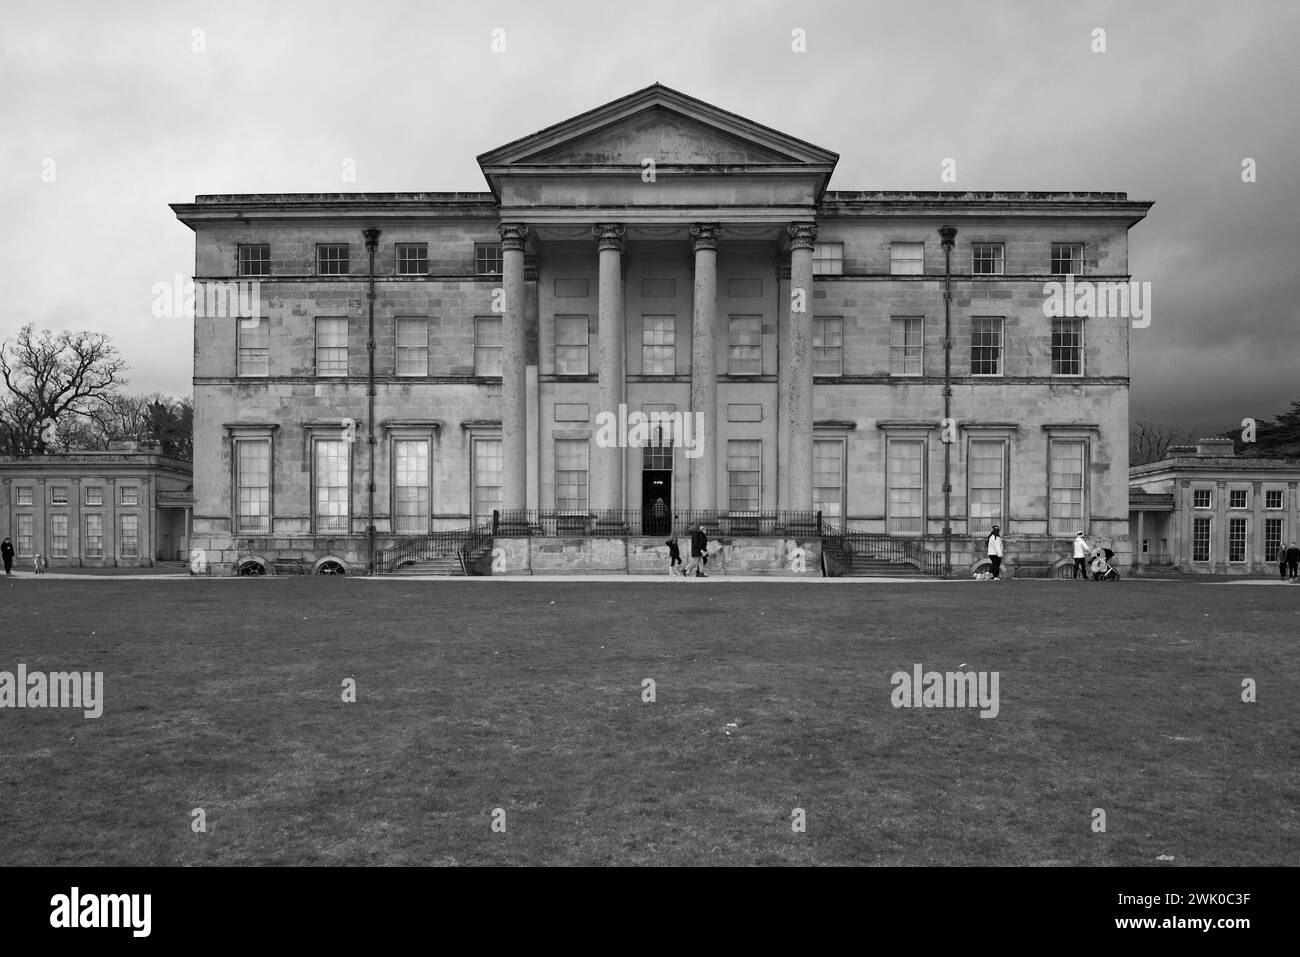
x=995, y=551
x=699, y=548
x=674, y=557
x=1281, y=561
x=1292, y=561
x=1081, y=551
x=7, y=551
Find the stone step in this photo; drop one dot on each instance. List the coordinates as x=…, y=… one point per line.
x=431, y=566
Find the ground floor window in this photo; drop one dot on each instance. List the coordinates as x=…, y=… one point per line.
x=487, y=478
x=1236, y=539
x=828, y=477
x=94, y=536
x=253, y=485
x=24, y=543
x=58, y=536
x=1066, y=515
x=571, y=464
x=332, y=477
x=744, y=474
x=986, y=485
x=129, y=536
x=1272, y=538
x=411, y=486
x=905, y=473
x=1200, y=539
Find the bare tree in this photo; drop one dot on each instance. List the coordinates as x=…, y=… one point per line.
x=51, y=377
x=1149, y=442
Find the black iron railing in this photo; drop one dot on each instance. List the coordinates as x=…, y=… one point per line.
x=448, y=544
x=622, y=523
x=479, y=542
x=845, y=546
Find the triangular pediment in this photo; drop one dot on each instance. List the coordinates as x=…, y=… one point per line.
x=659, y=123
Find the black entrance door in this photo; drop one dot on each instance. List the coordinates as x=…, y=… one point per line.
x=656, y=501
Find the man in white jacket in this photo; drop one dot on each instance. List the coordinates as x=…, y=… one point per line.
x=1081, y=552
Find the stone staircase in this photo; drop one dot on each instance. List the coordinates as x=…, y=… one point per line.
x=448, y=565
x=869, y=556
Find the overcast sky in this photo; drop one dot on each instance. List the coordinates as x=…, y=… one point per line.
x=133, y=118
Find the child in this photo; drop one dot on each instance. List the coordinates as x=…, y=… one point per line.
x=674, y=557
x=38, y=564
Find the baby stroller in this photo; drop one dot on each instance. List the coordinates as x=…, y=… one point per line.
x=1102, y=569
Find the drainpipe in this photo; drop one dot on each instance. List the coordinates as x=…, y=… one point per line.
x=372, y=243
x=948, y=234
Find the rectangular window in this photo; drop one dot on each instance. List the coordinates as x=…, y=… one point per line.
x=828, y=259
x=253, y=485
x=744, y=475
x=59, y=495
x=659, y=345
x=25, y=496
x=412, y=259
x=572, y=337
x=1065, y=500
x=94, y=495
x=128, y=536
x=906, y=345
x=828, y=477
x=411, y=486
x=1067, y=347
x=659, y=453
x=487, y=259
x=94, y=536
x=1236, y=539
x=253, y=347
x=1272, y=498
x=986, y=485
x=412, y=346
x=828, y=345
x=1272, y=538
x=987, y=259
x=332, y=481
x=487, y=346
x=906, y=479
x=332, y=259
x=906, y=259
x=1067, y=259
x=1201, y=539
x=58, y=536
x=1201, y=498
x=331, y=347
x=1237, y=498
x=744, y=345
x=24, y=544
x=254, y=259
x=487, y=478
x=571, y=475
x=130, y=495
x=986, y=346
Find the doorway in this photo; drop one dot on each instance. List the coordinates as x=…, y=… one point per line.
x=656, y=501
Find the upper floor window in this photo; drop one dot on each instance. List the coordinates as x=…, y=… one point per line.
x=25, y=496
x=1067, y=347
x=253, y=347
x=1067, y=259
x=1201, y=498
x=412, y=346
x=59, y=495
x=658, y=345
x=986, y=346
x=1272, y=498
x=1237, y=498
x=745, y=345
x=94, y=495
x=255, y=259
x=130, y=495
x=331, y=347
x=828, y=345
x=571, y=338
x=412, y=259
x=906, y=345
x=987, y=259
x=828, y=259
x=906, y=259
x=487, y=346
x=487, y=259
x=332, y=259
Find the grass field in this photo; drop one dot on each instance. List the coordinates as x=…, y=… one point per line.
x=526, y=696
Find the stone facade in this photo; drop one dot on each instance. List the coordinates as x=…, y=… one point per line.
x=657, y=254
x=129, y=506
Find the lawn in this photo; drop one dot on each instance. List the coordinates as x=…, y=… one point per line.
x=527, y=696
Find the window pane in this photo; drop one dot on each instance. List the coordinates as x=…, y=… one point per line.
x=1067, y=258
x=1066, y=493
x=332, y=259
x=828, y=346
x=24, y=544
x=744, y=458
x=907, y=259
x=571, y=338
x=58, y=536
x=128, y=536
x=828, y=477
x=412, y=259
x=986, y=259
x=94, y=536
x=331, y=347
x=905, y=345
x=253, y=485
x=658, y=345
x=985, y=485
x=828, y=259
x=411, y=486
x=487, y=478
x=412, y=344
x=905, y=474
x=487, y=259
x=986, y=346
x=332, y=485
x=571, y=475
x=487, y=346
x=1067, y=347
x=253, y=344
x=1200, y=539
x=745, y=348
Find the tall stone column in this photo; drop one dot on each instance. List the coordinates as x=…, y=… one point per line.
x=704, y=378
x=798, y=400
x=607, y=463
x=514, y=413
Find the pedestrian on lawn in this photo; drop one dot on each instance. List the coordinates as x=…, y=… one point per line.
x=995, y=551
x=1081, y=551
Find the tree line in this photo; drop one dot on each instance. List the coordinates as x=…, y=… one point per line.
x=66, y=392
x=1277, y=438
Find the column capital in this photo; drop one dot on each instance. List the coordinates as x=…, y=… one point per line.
x=610, y=235
x=513, y=236
x=705, y=236
x=802, y=235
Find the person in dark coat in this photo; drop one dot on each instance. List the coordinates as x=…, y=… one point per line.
x=7, y=550
x=1281, y=561
x=1292, y=561
x=699, y=549
x=674, y=556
